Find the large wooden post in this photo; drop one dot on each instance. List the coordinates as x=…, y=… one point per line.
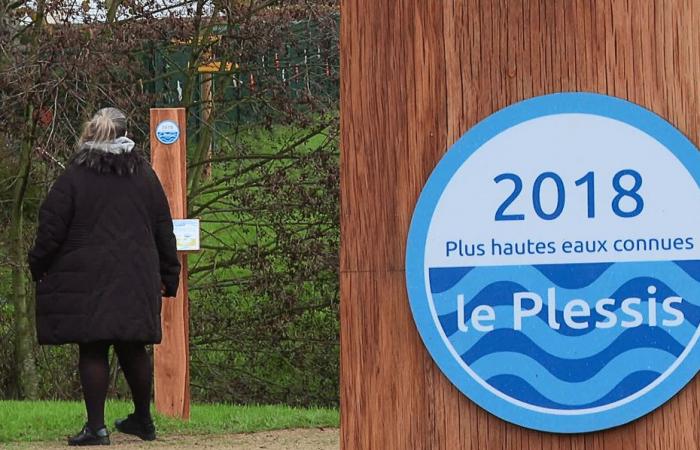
x=416, y=75
x=172, y=378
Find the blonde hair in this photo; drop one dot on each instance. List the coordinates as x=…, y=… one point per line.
x=105, y=126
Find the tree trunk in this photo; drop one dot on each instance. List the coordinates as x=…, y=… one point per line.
x=26, y=383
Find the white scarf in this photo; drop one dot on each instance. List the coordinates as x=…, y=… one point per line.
x=118, y=146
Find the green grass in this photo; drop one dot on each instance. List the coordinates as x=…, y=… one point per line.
x=50, y=421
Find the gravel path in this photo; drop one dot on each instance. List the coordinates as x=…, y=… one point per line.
x=311, y=439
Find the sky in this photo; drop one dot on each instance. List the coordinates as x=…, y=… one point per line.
x=78, y=11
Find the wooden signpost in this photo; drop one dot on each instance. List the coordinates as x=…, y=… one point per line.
x=416, y=75
x=171, y=361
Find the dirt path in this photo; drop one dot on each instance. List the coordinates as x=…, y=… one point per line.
x=312, y=439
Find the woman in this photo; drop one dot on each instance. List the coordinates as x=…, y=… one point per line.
x=104, y=254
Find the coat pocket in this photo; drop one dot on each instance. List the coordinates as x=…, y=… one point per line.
x=42, y=286
x=54, y=297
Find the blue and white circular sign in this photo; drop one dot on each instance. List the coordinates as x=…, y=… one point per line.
x=167, y=132
x=553, y=262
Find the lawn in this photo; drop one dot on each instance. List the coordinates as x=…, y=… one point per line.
x=47, y=421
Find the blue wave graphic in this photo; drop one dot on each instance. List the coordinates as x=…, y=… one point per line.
x=568, y=392
x=561, y=345
x=569, y=368
x=572, y=370
x=444, y=278
x=501, y=293
x=691, y=267
x=572, y=276
x=567, y=276
x=517, y=388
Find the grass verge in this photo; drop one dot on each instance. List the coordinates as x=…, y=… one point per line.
x=24, y=421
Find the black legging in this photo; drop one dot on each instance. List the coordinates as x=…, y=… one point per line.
x=94, y=377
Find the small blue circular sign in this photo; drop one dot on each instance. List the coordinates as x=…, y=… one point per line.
x=167, y=132
x=553, y=262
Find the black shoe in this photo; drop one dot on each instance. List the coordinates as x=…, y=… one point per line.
x=145, y=429
x=89, y=437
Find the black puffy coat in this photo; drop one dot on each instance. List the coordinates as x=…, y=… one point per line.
x=104, y=245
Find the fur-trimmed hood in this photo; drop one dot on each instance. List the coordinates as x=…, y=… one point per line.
x=119, y=157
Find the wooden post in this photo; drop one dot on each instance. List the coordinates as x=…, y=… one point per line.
x=172, y=377
x=416, y=75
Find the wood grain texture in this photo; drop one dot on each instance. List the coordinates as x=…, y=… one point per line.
x=171, y=357
x=416, y=75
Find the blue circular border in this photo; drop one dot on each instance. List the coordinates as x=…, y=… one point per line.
x=561, y=103
x=176, y=137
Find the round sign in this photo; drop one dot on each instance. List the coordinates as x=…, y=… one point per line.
x=553, y=262
x=167, y=132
